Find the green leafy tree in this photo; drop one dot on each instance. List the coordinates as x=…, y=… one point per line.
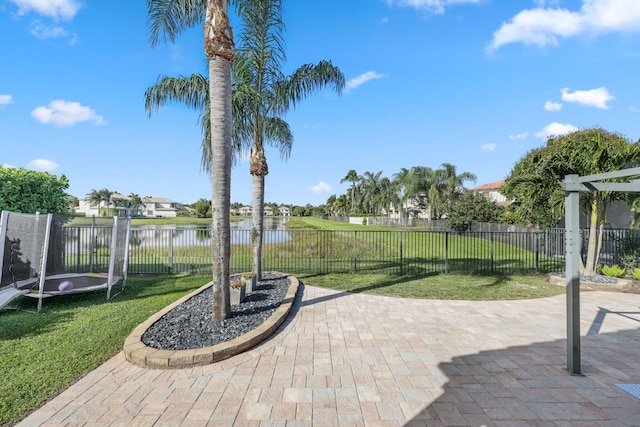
x=534, y=182
x=167, y=19
x=469, y=207
x=28, y=191
x=203, y=208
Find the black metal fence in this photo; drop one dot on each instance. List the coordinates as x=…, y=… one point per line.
x=164, y=250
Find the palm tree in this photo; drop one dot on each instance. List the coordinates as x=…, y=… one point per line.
x=135, y=201
x=167, y=19
x=265, y=94
x=352, y=177
x=454, y=183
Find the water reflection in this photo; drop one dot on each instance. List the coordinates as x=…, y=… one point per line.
x=200, y=235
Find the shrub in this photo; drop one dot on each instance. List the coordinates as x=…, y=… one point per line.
x=613, y=270
x=636, y=273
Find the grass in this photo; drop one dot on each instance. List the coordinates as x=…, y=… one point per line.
x=44, y=353
x=446, y=287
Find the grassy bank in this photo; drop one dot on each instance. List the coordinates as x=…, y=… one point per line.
x=43, y=353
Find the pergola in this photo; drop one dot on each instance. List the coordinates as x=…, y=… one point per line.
x=572, y=185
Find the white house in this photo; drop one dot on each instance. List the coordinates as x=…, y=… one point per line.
x=151, y=207
x=491, y=191
x=160, y=207
x=284, y=210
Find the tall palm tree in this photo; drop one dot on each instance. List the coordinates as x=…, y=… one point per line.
x=265, y=95
x=167, y=19
x=352, y=177
x=453, y=183
x=135, y=201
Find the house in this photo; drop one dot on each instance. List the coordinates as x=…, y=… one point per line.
x=284, y=210
x=267, y=211
x=119, y=205
x=160, y=207
x=245, y=211
x=491, y=192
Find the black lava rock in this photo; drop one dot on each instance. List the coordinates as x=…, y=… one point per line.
x=189, y=325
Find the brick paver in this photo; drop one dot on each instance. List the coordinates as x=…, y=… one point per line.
x=356, y=360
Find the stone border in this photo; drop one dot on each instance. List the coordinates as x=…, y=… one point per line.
x=560, y=281
x=138, y=353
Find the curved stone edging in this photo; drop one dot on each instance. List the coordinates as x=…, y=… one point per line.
x=561, y=281
x=138, y=353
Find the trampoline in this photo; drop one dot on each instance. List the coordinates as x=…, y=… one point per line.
x=40, y=257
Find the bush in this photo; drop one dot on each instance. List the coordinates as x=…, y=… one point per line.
x=636, y=273
x=613, y=270
x=28, y=191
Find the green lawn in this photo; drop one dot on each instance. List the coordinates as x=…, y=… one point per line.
x=439, y=286
x=44, y=353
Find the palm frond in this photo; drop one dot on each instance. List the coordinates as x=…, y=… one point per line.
x=168, y=18
x=192, y=91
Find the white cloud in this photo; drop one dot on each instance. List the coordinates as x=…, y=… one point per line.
x=488, y=147
x=517, y=136
x=7, y=166
x=361, y=79
x=556, y=129
x=545, y=26
x=42, y=165
x=56, y=9
x=63, y=113
x=5, y=99
x=43, y=31
x=592, y=98
x=321, y=187
x=433, y=6
x=552, y=106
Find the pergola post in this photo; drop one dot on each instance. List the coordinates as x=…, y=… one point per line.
x=572, y=275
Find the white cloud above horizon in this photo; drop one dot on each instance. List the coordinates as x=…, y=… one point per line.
x=42, y=165
x=7, y=166
x=55, y=9
x=5, y=99
x=320, y=188
x=432, y=6
x=361, y=79
x=545, y=26
x=64, y=113
x=488, y=147
x=556, y=129
x=517, y=136
x=552, y=106
x=597, y=98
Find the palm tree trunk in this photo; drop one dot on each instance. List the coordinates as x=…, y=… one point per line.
x=258, y=169
x=257, y=225
x=219, y=49
x=589, y=268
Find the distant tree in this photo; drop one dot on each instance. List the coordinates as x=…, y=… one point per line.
x=469, y=207
x=135, y=202
x=352, y=177
x=72, y=201
x=28, y=191
x=298, y=211
x=203, y=208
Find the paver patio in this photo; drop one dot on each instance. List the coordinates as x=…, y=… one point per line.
x=358, y=360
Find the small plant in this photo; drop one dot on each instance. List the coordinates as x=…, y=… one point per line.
x=636, y=273
x=236, y=283
x=247, y=276
x=613, y=270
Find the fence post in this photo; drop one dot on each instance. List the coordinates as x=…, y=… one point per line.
x=537, y=251
x=492, y=250
x=446, y=252
x=355, y=253
x=401, y=266
x=170, y=260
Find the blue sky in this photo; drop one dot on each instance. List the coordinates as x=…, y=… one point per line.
x=475, y=83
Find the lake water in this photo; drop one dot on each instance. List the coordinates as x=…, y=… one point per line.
x=200, y=235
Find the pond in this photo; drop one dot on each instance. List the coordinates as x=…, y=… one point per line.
x=200, y=235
